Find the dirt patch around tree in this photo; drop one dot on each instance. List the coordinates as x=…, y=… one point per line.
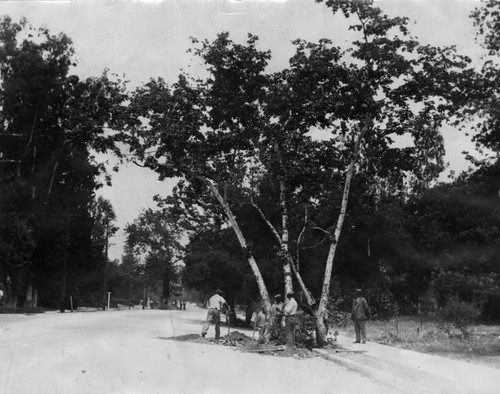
x=241, y=342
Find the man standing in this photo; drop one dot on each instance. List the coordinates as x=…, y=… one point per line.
x=290, y=311
x=216, y=304
x=277, y=311
x=360, y=313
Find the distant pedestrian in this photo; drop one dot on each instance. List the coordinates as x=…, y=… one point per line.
x=290, y=312
x=360, y=313
x=216, y=304
x=1, y=297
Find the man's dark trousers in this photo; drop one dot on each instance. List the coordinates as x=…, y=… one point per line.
x=360, y=328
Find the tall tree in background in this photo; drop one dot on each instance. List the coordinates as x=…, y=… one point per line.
x=155, y=235
x=103, y=216
x=50, y=122
x=485, y=93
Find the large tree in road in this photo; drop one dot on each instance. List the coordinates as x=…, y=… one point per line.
x=218, y=130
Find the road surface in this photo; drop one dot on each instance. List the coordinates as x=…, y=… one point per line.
x=127, y=352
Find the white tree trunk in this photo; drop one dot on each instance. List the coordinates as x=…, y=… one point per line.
x=241, y=239
x=309, y=298
x=321, y=313
x=287, y=272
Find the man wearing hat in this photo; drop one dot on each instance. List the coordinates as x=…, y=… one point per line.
x=360, y=313
x=290, y=311
x=216, y=304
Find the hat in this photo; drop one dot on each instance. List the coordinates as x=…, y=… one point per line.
x=359, y=291
x=219, y=292
x=277, y=296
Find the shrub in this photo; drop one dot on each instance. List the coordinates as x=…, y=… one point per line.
x=336, y=316
x=460, y=315
x=304, y=333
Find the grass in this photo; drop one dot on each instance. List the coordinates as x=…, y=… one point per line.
x=427, y=335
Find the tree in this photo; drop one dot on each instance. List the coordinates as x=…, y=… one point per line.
x=394, y=86
x=156, y=236
x=483, y=93
x=216, y=130
x=103, y=217
x=200, y=130
x=50, y=122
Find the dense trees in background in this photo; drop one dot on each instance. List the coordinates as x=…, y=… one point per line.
x=51, y=123
x=155, y=235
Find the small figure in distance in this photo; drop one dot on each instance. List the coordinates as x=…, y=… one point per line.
x=216, y=304
x=360, y=313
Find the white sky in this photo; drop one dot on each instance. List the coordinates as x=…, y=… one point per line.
x=144, y=39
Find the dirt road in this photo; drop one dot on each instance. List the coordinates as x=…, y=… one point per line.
x=129, y=352
x=126, y=352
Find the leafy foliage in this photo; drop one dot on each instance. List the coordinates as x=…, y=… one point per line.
x=156, y=236
x=50, y=122
x=460, y=314
x=484, y=91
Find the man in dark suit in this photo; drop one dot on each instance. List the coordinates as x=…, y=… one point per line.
x=360, y=313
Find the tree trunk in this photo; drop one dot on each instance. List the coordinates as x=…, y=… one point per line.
x=62, y=300
x=105, y=271
x=285, y=250
x=325, y=291
x=64, y=274
x=29, y=296
x=321, y=328
x=35, y=298
x=251, y=260
x=264, y=294
x=130, y=288
x=166, y=288
x=309, y=298
x=14, y=290
x=307, y=293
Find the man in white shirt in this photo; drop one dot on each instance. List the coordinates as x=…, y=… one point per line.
x=290, y=311
x=216, y=304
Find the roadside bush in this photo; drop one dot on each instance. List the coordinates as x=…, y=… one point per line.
x=460, y=315
x=305, y=334
x=337, y=316
x=465, y=286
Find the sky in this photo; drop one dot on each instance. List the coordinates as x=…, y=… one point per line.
x=144, y=39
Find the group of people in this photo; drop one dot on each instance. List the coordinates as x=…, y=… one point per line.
x=217, y=305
